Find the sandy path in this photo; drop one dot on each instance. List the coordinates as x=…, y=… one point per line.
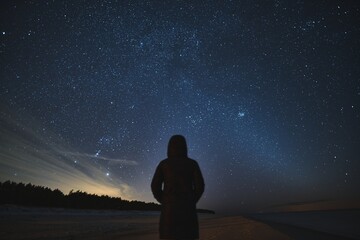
x=237, y=228
x=228, y=228
x=66, y=224
x=220, y=228
x=126, y=228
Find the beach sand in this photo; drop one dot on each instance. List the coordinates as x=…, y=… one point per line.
x=25, y=223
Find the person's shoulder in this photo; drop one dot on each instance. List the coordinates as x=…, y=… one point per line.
x=193, y=161
x=164, y=161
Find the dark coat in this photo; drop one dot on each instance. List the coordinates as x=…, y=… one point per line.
x=178, y=184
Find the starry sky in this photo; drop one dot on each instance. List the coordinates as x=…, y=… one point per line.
x=267, y=94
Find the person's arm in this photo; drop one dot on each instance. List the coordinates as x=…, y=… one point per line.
x=156, y=183
x=199, y=185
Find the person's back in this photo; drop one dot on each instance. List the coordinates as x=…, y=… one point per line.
x=178, y=185
x=181, y=180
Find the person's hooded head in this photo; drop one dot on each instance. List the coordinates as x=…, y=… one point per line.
x=177, y=146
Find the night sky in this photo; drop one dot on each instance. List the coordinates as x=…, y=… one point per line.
x=267, y=94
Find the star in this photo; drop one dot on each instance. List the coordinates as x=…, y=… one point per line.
x=97, y=153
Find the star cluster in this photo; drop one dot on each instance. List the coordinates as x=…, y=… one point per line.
x=266, y=93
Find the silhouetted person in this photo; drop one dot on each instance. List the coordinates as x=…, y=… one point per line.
x=178, y=185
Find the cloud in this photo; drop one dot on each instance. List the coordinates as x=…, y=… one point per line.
x=109, y=160
x=27, y=155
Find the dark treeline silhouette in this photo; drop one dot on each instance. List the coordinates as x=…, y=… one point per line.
x=38, y=196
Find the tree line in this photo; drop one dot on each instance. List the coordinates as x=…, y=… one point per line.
x=38, y=196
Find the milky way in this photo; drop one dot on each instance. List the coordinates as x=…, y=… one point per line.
x=267, y=95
